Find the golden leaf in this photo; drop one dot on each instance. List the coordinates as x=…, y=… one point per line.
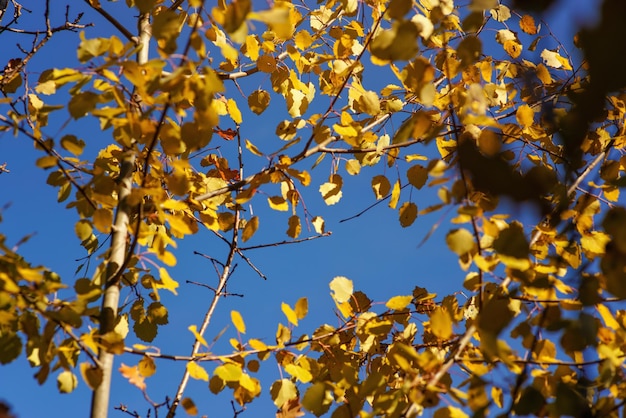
x=197, y=372
x=460, y=241
x=395, y=195
x=331, y=190
x=441, y=323
x=513, y=48
x=237, y=320
x=289, y=313
x=196, y=334
x=399, y=302
x=525, y=116
x=341, y=288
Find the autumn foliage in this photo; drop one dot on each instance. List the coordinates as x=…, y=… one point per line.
x=475, y=101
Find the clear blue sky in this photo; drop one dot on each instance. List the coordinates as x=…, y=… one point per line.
x=382, y=258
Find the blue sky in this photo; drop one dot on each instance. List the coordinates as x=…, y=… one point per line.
x=381, y=257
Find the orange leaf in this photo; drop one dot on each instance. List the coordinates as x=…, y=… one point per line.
x=134, y=377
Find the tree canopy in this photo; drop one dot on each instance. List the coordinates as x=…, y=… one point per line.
x=182, y=119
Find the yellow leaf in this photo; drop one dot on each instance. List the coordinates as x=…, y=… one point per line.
x=233, y=111
x=282, y=391
x=289, y=313
x=595, y=243
x=554, y=60
x=278, y=203
x=238, y=321
x=353, y=167
x=441, y=323
x=229, y=372
x=318, y=224
x=146, y=366
x=166, y=281
x=341, y=288
x=66, y=381
x=460, y=241
x=83, y=229
x=251, y=226
x=199, y=338
x=607, y=317
x=197, y=372
x=299, y=373
x=257, y=344
x=46, y=162
x=331, y=191
x=395, y=195
x=399, y=302
x=252, y=47
x=513, y=48
x=303, y=40
x=525, y=115
x=408, y=214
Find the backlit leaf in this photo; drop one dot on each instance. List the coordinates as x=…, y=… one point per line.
x=341, y=289
x=318, y=224
x=331, y=190
x=196, y=334
x=289, y=313
x=146, y=366
x=513, y=48
x=66, y=381
x=441, y=323
x=197, y=372
x=237, y=320
x=166, y=281
x=282, y=391
x=399, y=302
x=395, y=195
x=460, y=241
x=525, y=116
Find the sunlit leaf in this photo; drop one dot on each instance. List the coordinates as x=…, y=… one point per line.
x=197, y=372
x=341, y=288
x=237, y=320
